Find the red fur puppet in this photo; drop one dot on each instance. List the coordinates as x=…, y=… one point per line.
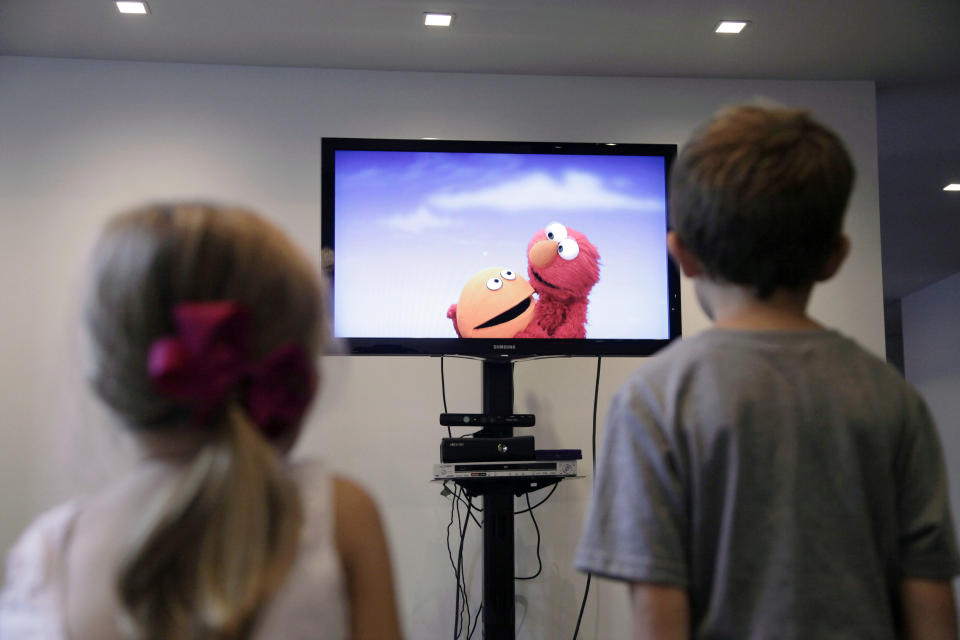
x=563, y=267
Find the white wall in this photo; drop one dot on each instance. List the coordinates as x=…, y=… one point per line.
x=931, y=358
x=80, y=139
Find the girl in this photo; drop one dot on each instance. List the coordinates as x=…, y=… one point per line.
x=205, y=324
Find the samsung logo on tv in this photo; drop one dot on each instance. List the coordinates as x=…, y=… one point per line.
x=504, y=346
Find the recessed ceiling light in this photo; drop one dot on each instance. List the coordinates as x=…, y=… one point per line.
x=132, y=7
x=952, y=187
x=438, y=19
x=731, y=26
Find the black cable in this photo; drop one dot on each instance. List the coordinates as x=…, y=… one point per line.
x=456, y=573
x=476, y=619
x=463, y=524
x=552, y=489
x=462, y=604
x=453, y=506
x=443, y=394
x=596, y=396
x=458, y=495
x=460, y=577
x=539, y=561
x=593, y=457
x=583, y=605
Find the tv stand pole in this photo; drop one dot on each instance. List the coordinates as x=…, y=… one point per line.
x=499, y=614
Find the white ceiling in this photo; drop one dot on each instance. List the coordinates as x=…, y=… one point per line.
x=912, y=50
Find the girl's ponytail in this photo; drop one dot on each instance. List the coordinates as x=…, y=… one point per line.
x=204, y=563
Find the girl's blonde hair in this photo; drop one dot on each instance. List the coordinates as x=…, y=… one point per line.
x=212, y=552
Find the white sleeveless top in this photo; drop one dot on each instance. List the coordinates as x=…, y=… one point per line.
x=311, y=605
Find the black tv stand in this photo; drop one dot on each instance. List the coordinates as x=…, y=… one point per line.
x=499, y=613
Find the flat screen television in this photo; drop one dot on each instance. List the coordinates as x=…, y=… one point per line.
x=498, y=250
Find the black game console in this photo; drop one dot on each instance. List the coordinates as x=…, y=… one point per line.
x=486, y=449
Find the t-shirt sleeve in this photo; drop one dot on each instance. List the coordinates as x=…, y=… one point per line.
x=636, y=523
x=29, y=598
x=928, y=545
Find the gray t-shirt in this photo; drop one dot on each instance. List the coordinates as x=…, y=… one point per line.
x=786, y=480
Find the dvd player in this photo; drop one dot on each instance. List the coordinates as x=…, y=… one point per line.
x=519, y=468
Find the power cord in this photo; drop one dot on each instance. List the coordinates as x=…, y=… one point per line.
x=459, y=574
x=462, y=598
x=456, y=573
x=443, y=394
x=593, y=457
x=476, y=618
x=458, y=496
x=552, y=489
x=529, y=510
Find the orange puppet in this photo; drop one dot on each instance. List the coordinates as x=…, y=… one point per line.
x=495, y=303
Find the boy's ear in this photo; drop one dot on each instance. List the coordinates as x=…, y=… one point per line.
x=835, y=260
x=682, y=256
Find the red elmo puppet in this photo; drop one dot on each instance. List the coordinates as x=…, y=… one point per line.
x=563, y=267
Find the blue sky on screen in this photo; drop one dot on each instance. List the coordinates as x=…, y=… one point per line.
x=412, y=227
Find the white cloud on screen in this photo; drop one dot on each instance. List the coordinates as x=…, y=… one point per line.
x=539, y=191
x=421, y=220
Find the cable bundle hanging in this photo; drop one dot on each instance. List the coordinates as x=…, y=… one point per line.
x=466, y=620
x=461, y=600
x=458, y=497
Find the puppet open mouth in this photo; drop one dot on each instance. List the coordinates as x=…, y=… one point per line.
x=537, y=276
x=507, y=315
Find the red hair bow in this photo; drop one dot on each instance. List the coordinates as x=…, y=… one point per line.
x=208, y=358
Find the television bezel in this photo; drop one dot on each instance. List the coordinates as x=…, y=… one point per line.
x=485, y=348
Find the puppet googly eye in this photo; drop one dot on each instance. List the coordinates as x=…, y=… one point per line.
x=568, y=249
x=494, y=283
x=556, y=232
x=508, y=274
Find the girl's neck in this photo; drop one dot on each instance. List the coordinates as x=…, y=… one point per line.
x=173, y=446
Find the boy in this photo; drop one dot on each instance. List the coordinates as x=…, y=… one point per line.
x=769, y=478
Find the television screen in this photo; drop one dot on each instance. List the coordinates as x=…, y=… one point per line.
x=498, y=249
